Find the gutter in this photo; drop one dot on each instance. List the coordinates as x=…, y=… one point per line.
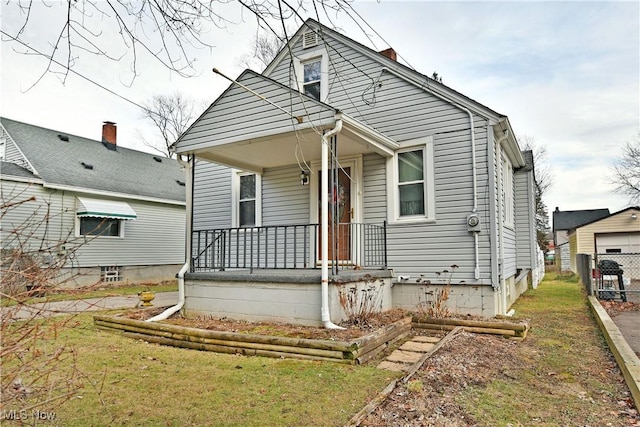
x=324, y=224
x=189, y=168
x=473, y=155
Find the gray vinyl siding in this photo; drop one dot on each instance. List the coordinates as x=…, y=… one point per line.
x=424, y=249
x=284, y=200
x=156, y=237
x=350, y=90
x=374, y=176
x=509, y=264
x=211, y=196
x=239, y=114
x=525, y=218
x=12, y=154
x=403, y=111
x=37, y=218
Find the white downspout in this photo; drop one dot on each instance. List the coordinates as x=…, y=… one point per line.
x=189, y=196
x=473, y=157
x=324, y=225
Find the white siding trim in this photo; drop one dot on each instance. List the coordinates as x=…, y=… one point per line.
x=393, y=197
x=92, y=192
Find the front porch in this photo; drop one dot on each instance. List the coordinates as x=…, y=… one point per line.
x=351, y=246
x=288, y=296
x=273, y=273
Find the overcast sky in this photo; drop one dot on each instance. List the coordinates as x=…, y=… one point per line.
x=565, y=73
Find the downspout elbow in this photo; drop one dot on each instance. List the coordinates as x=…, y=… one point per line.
x=172, y=310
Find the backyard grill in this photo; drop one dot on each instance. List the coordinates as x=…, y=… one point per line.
x=609, y=268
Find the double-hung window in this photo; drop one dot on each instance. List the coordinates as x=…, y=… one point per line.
x=312, y=71
x=411, y=182
x=312, y=78
x=246, y=204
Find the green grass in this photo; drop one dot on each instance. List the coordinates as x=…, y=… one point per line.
x=566, y=368
x=65, y=295
x=131, y=382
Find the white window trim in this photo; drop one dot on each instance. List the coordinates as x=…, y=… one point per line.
x=299, y=61
x=91, y=236
x=235, y=197
x=508, y=193
x=393, y=192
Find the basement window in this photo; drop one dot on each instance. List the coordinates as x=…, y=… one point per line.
x=110, y=273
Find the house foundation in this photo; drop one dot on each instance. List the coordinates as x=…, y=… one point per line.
x=288, y=296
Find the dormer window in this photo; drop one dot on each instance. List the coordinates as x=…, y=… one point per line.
x=312, y=74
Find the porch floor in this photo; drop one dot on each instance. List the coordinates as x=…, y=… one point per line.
x=312, y=276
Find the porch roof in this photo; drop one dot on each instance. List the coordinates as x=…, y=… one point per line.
x=245, y=131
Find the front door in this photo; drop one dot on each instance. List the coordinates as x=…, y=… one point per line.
x=339, y=216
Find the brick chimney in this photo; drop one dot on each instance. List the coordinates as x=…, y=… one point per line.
x=109, y=133
x=389, y=53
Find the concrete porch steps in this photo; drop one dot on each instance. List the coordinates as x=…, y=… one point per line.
x=408, y=354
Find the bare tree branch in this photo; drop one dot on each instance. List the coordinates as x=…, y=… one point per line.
x=626, y=171
x=168, y=30
x=171, y=115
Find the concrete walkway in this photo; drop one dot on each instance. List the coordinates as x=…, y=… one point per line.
x=58, y=308
x=629, y=324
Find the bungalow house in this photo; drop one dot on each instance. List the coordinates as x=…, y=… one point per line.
x=111, y=213
x=563, y=222
x=340, y=172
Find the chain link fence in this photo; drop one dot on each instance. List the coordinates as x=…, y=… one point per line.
x=616, y=276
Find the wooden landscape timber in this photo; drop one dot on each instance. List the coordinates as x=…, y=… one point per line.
x=507, y=329
x=357, y=351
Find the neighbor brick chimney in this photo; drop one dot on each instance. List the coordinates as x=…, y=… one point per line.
x=389, y=53
x=109, y=133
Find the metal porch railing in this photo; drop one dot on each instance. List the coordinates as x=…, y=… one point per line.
x=352, y=245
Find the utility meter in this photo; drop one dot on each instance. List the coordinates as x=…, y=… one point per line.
x=473, y=222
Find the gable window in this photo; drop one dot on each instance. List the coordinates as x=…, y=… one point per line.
x=246, y=199
x=312, y=72
x=411, y=182
x=91, y=226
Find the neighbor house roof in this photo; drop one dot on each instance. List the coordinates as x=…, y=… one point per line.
x=72, y=162
x=567, y=220
x=630, y=208
x=11, y=169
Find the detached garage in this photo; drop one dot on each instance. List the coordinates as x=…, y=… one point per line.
x=608, y=243
x=617, y=233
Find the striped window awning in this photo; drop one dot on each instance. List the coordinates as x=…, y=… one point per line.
x=99, y=208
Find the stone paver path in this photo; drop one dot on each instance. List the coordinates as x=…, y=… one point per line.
x=403, y=358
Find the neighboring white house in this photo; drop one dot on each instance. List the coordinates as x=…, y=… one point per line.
x=420, y=178
x=115, y=214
